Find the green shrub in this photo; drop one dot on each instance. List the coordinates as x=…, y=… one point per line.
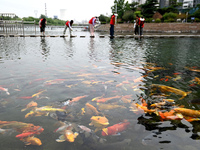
x=158, y=21
x=197, y=20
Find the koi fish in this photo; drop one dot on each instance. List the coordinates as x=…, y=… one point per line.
x=90, y=109
x=25, y=97
x=31, y=140
x=56, y=81
x=140, y=78
x=115, y=129
x=164, y=103
x=102, y=100
x=188, y=112
x=99, y=122
x=33, y=113
x=6, y=131
x=108, y=106
x=76, y=99
x=29, y=105
x=5, y=90
x=170, y=115
x=48, y=109
x=84, y=128
x=37, y=94
x=25, y=134
x=197, y=80
x=145, y=109
x=164, y=88
x=192, y=69
x=67, y=136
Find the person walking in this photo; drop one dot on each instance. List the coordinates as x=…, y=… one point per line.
x=112, y=23
x=42, y=24
x=141, y=25
x=68, y=24
x=92, y=23
x=136, y=25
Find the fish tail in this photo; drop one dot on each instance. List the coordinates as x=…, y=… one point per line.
x=161, y=115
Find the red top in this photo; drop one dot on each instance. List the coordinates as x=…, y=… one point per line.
x=67, y=23
x=141, y=22
x=112, y=20
x=91, y=20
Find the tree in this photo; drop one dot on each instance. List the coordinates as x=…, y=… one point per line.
x=128, y=16
x=103, y=19
x=133, y=6
x=149, y=8
x=120, y=8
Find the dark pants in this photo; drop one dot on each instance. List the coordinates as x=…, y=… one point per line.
x=111, y=30
x=140, y=31
x=136, y=29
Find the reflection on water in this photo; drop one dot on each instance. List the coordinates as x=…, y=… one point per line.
x=45, y=47
x=124, y=81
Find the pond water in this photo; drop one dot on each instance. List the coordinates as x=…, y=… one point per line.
x=120, y=72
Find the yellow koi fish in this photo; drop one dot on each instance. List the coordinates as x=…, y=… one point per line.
x=188, y=112
x=164, y=88
x=37, y=94
x=99, y=122
x=108, y=106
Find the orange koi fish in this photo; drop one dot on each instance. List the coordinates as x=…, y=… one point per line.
x=31, y=140
x=90, y=109
x=102, y=100
x=76, y=99
x=115, y=129
x=25, y=134
x=25, y=97
x=29, y=105
x=170, y=115
x=144, y=108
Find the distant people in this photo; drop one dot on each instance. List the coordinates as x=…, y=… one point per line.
x=141, y=25
x=68, y=24
x=92, y=23
x=42, y=24
x=136, y=25
x=112, y=23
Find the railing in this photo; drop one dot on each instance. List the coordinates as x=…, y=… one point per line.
x=14, y=26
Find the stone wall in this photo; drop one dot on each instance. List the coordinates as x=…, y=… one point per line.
x=193, y=28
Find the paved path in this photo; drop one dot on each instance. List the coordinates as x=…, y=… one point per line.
x=104, y=36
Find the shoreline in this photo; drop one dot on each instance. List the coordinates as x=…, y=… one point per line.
x=155, y=28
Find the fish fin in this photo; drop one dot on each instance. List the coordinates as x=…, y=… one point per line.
x=24, y=109
x=62, y=137
x=97, y=129
x=27, y=143
x=58, y=140
x=105, y=130
x=117, y=134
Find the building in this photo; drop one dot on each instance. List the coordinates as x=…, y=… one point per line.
x=139, y=1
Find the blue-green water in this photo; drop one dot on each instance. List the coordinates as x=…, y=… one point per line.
x=99, y=67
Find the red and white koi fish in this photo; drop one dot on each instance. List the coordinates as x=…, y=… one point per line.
x=5, y=90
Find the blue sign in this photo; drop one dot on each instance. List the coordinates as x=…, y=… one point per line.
x=192, y=18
